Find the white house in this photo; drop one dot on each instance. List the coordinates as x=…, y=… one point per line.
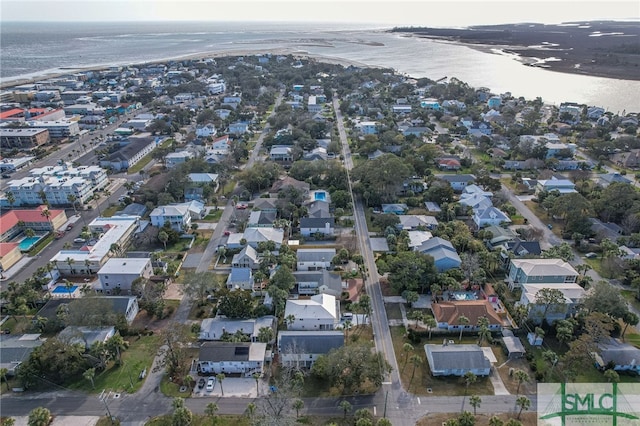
x=540, y=271
x=457, y=360
x=300, y=349
x=489, y=216
x=178, y=217
x=245, y=358
x=317, y=225
x=240, y=279
x=367, y=127
x=117, y=274
x=206, y=131
x=172, y=159
x=320, y=312
x=314, y=259
x=573, y=295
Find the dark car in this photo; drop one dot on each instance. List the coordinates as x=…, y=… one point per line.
x=201, y=383
x=5, y=176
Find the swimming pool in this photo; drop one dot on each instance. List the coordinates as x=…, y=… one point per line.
x=465, y=296
x=61, y=289
x=27, y=243
x=320, y=196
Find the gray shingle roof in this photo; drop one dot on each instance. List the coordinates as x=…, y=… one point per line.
x=309, y=342
x=466, y=357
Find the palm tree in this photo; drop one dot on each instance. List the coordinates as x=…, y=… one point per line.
x=298, y=405
x=475, y=402
x=524, y=403
x=431, y=323
x=484, y=333
x=521, y=376
x=211, y=410
x=29, y=233
x=469, y=378
x=416, y=361
x=406, y=348
x=251, y=411
x=220, y=378
x=463, y=321
x=552, y=358
x=163, y=237
x=289, y=319
x=39, y=416
x=46, y=213
x=68, y=285
x=115, y=249
x=116, y=344
x=612, y=376
x=496, y=421
x=345, y=406
x=87, y=264
x=347, y=326
x=90, y=374
x=256, y=377
x=11, y=198
x=72, y=199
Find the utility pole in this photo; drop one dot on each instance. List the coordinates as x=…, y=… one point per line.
x=386, y=395
x=103, y=399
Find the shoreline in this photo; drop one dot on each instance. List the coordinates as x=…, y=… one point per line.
x=10, y=82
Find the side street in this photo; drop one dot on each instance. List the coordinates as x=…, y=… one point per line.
x=270, y=239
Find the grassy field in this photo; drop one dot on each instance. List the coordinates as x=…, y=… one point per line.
x=201, y=420
x=630, y=296
x=422, y=378
x=147, y=158
x=527, y=419
x=214, y=215
x=124, y=378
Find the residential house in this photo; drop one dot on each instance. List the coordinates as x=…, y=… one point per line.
x=261, y=219
x=16, y=221
x=238, y=128
x=318, y=209
x=126, y=306
x=457, y=360
x=173, y=159
x=609, y=178
x=448, y=163
x=244, y=358
x=557, y=150
x=320, y=312
x=397, y=208
x=513, y=344
x=448, y=313
x=489, y=216
x=240, y=279
x=499, y=236
x=573, y=295
x=129, y=153
x=289, y=182
x=177, y=216
x=540, y=271
x=316, y=154
x=563, y=186
x=622, y=356
x=602, y=230
x=253, y=236
x=314, y=259
x=477, y=202
x=247, y=258
x=314, y=225
x=86, y=336
x=309, y=283
x=281, y=153
x=266, y=204
x=216, y=328
x=474, y=189
x=367, y=127
x=444, y=254
x=300, y=349
x=118, y=274
x=417, y=238
x=206, y=131
x=417, y=221
x=629, y=160
x=15, y=349
x=458, y=182
x=10, y=254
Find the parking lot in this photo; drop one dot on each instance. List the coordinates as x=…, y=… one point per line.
x=233, y=386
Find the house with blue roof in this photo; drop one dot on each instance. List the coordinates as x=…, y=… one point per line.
x=609, y=178
x=240, y=279
x=398, y=208
x=444, y=255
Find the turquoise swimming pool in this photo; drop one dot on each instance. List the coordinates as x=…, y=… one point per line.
x=27, y=243
x=320, y=195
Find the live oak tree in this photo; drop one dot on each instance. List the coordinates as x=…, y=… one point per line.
x=548, y=300
x=350, y=366
x=411, y=271
x=235, y=304
x=199, y=285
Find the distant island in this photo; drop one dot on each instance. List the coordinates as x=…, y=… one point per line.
x=599, y=48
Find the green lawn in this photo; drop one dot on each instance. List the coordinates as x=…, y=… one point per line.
x=136, y=358
x=214, y=215
x=147, y=158
x=422, y=378
x=41, y=245
x=630, y=296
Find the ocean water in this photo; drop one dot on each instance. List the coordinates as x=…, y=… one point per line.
x=33, y=49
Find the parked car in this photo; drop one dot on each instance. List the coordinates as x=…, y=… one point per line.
x=227, y=233
x=211, y=383
x=79, y=240
x=70, y=227
x=201, y=383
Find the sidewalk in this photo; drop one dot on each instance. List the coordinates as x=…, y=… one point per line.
x=16, y=268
